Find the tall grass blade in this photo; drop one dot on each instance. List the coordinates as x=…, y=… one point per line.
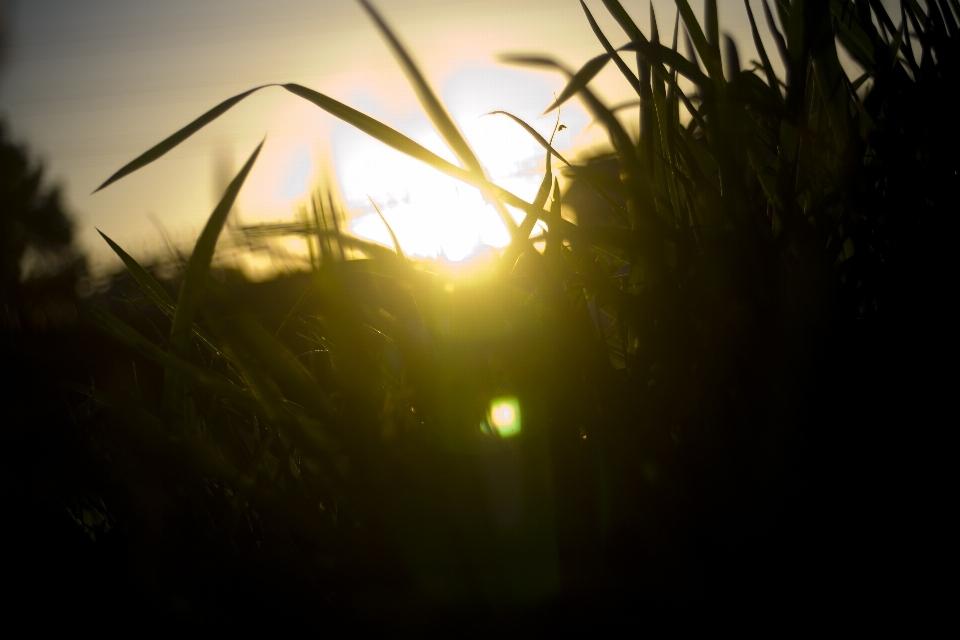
x=198, y=266
x=624, y=20
x=732, y=58
x=762, y=52
x=710, y=58
x=428, y=99
x=776, y=35
x=624, y=69
x=712, y=24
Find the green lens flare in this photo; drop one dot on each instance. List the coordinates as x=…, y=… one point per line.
x=505, y=416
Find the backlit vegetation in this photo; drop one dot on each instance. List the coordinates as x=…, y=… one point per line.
x=682, y=356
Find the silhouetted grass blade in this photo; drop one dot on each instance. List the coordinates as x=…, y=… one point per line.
x=198, y=265
x=762, y=51
x=534, y=134
x=154, y=290
x=169, y=143
x=393, y=236
x=776, y=35
x=705, y=49
x=147, y=283
x=619, y=136
x=624, y=69
x=431, y=104
x=579, y=80
x=624, y=20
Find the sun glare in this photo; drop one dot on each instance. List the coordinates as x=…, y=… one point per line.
x=505, y=416
x=433, y=215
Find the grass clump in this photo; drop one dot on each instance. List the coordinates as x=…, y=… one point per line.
x=688, y=359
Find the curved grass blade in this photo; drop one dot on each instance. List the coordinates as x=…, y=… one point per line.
x=534, y=134
x=361, y=121
x=578, y=171
x=160, y=149
x=393, y=236
x=657, y=54
x=378, y=130
x=617, y=133
x=762, y=52
x=580, y=79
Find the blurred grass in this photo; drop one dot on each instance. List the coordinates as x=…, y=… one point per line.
x=695, y=359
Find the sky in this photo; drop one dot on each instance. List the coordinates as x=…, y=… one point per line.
x=89, y=85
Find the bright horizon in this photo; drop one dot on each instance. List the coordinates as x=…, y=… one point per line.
x=88, y=90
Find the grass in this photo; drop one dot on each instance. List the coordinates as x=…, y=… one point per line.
x=687, y=360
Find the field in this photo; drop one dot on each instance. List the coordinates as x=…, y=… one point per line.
x=704, y=393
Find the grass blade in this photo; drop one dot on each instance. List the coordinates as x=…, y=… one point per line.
x=198, y=266
x=154, y=291
x=580, y=79
x=393, y=236
x=762, y=52
x=777, y=36
x=704, y=48
x=160, y=149
x=712, y=24
x=580, y=172
x=617, y=133
x=147, y=282
x=428, y=99
x=624, y=69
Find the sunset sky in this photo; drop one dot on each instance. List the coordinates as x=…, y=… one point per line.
x=90, y=85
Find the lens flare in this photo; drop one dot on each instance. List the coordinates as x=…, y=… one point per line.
x=505, y=416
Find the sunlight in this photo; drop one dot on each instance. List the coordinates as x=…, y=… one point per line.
x=505, y=416
x=433, y=215
x=282, y=178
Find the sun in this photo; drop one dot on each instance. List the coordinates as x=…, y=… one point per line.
x=434, y=215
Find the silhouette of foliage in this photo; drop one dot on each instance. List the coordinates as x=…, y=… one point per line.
x=33, y=222
x=707, y=362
